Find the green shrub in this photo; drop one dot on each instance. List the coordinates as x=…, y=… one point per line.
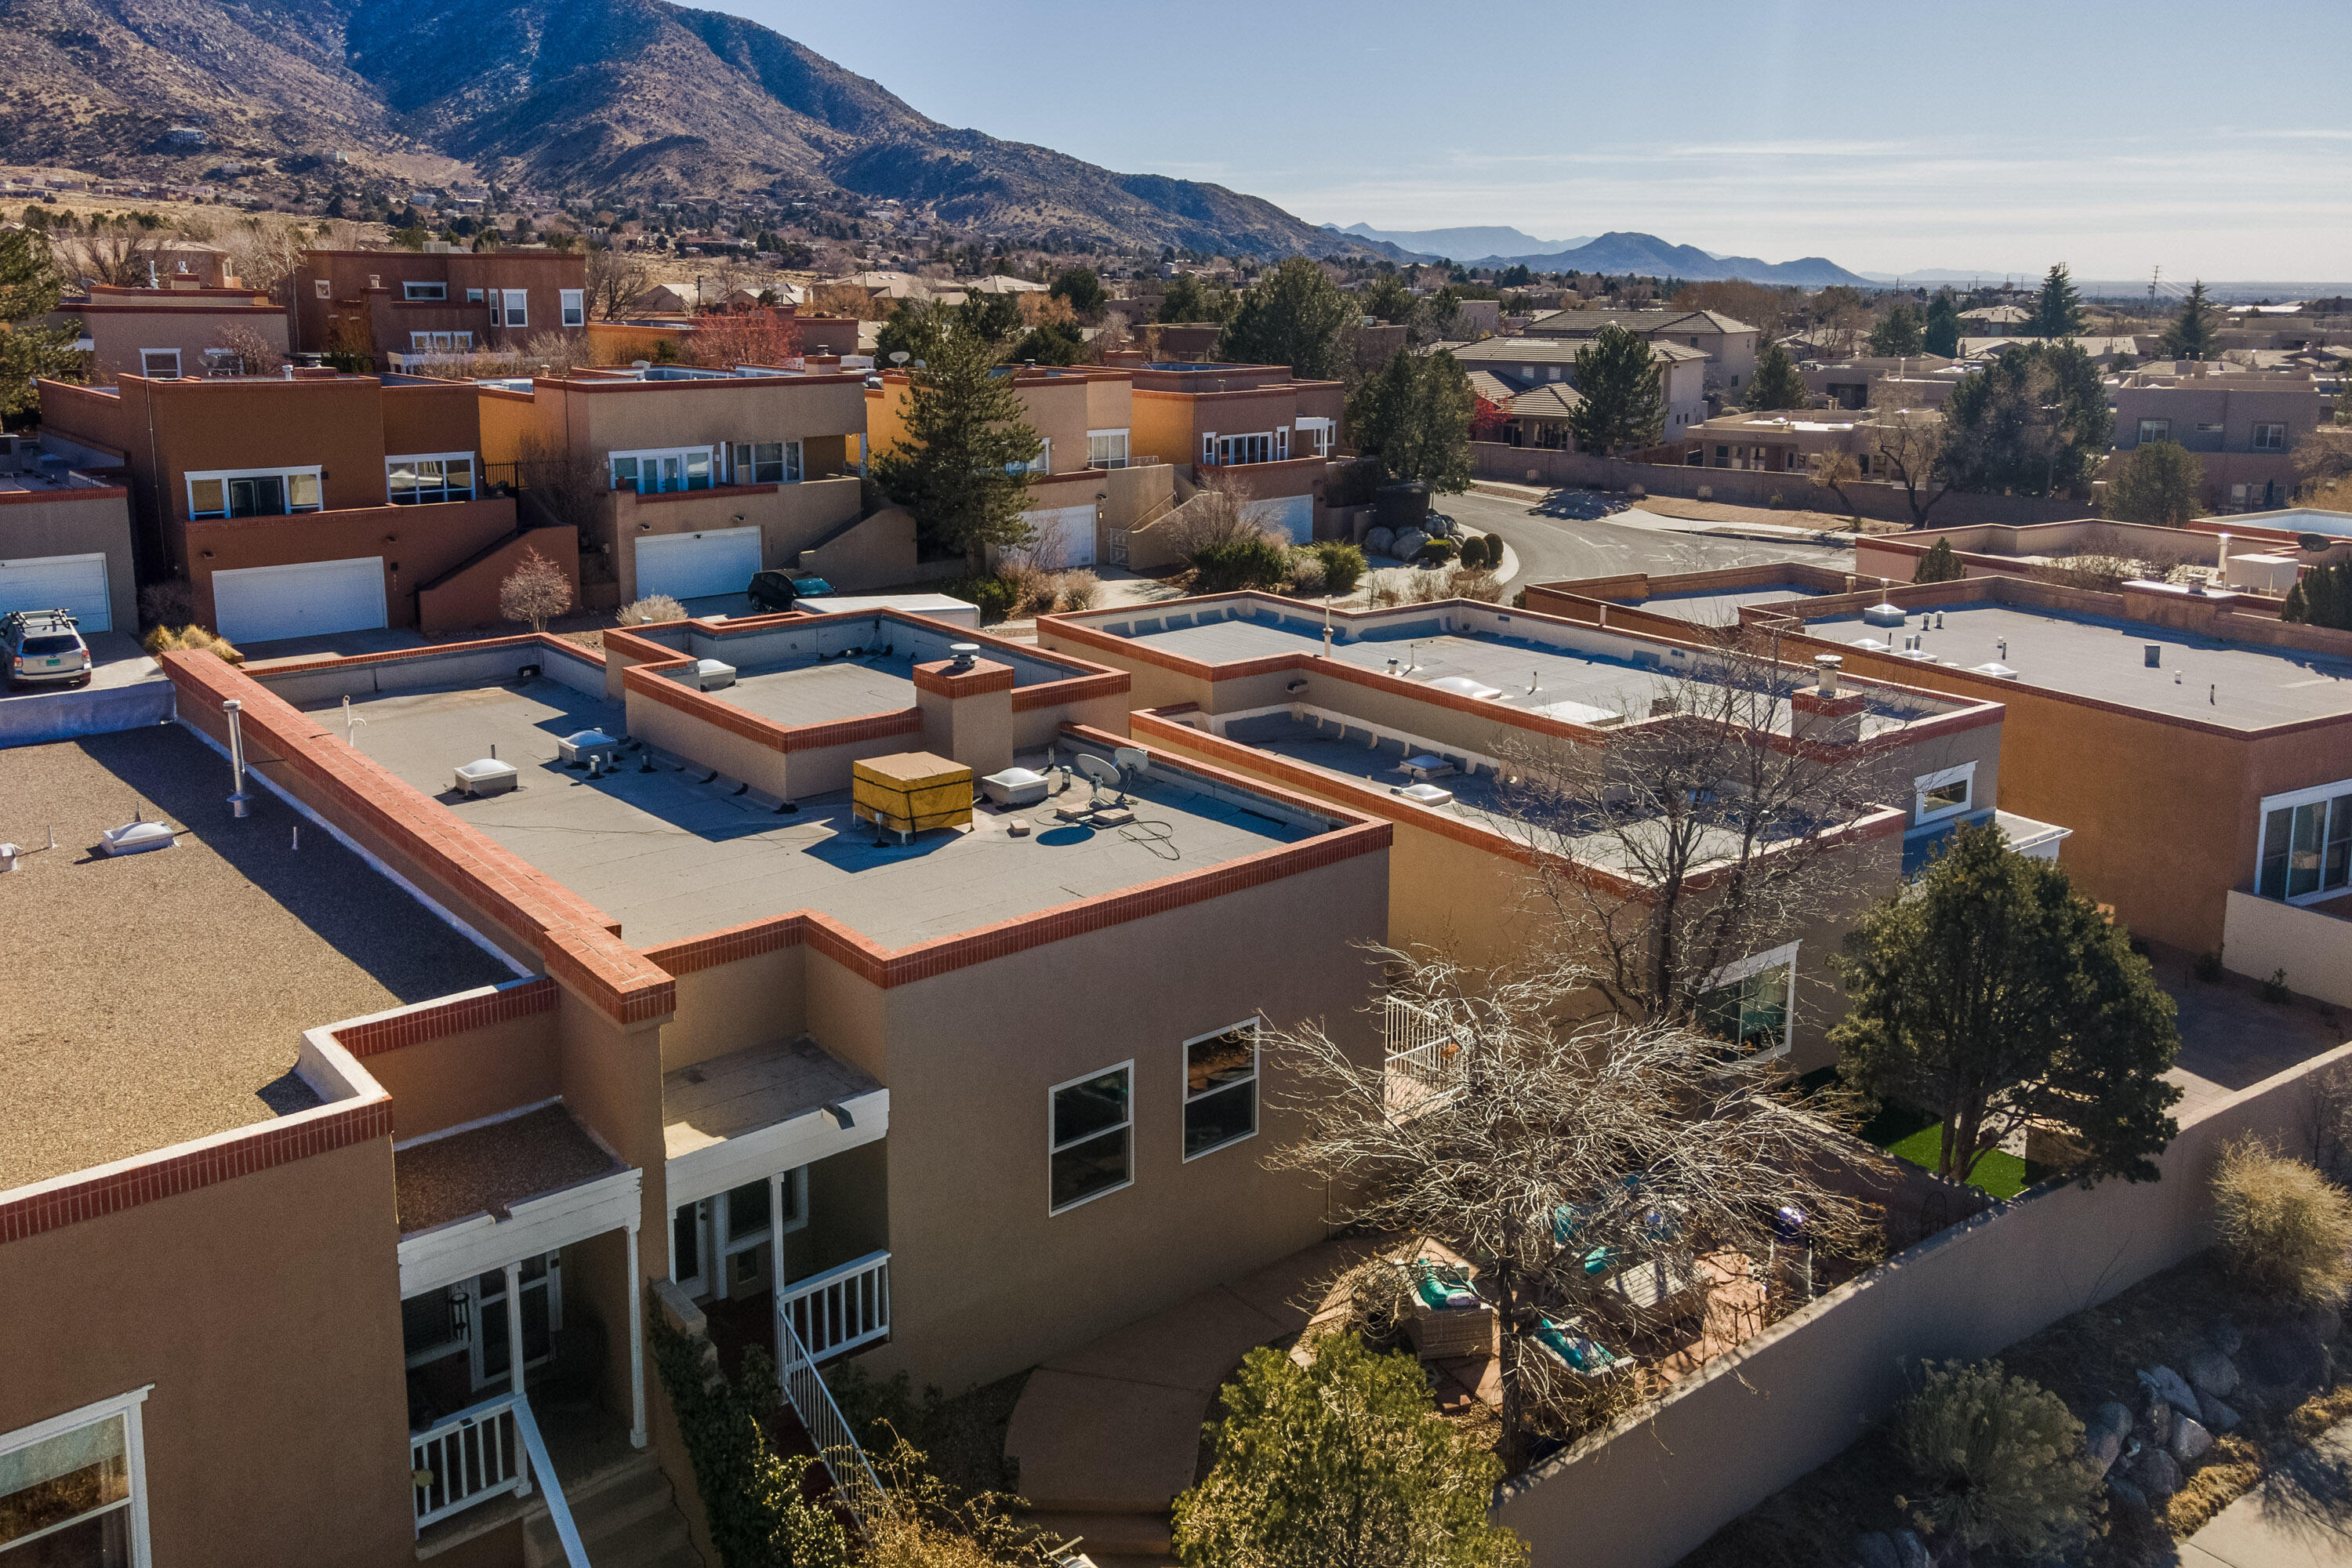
x=1258, y=561
x=2275, y=991
x=1474, y=555
x=2000, y=1462
x=996, y=597
x=2208, y=967
x=1439, y=550
x=1939, y=564
x=751, y=1493
x=1343, y=565
x=2284, y=1226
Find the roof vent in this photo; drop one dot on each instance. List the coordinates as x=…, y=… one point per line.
x=137, y=838
x=965, y=652
x=2152, y=654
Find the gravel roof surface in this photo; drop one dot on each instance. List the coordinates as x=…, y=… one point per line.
x=505, y=1163
x=161, y=997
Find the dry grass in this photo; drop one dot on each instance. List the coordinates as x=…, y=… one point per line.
x=2285, y=1229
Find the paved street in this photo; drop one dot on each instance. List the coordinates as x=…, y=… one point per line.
x=1552, y=548
x=2300, y=1517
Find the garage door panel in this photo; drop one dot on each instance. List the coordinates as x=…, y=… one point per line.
x=1065, y=537
x=74, y=583
x=697, y=566
x=1293, y=516
x=311, y=598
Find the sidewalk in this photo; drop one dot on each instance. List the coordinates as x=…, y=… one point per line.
x=2299, y=1516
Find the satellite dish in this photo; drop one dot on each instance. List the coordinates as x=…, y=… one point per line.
x=1100, y=774
x=899, y=356
x=1131, y=759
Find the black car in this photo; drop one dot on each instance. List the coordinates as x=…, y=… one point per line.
x=777, y=590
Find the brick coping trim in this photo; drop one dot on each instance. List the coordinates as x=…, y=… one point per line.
x=437, y=1020
x=1356, y=835
x=75, y=492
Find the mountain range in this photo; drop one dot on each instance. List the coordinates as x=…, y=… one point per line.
x=1456, y=244
x=1651, y=256
x=636, y=99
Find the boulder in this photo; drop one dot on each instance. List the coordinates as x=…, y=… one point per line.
x=2171, y=1387
x=2189, y=1440
x=2211, y=1371
x=2106, y=1445
x=1910, y=1550
x=2156, y=1473
x=1876, y=1551
x=2286, y=1355
x=2325, y=1322
x=2225, y=1335
x=2126, y=1499
x=2155, y=1420
x=1380, y=542
x=1409, y=543
x=2216, y=1416
x=2115, y=1412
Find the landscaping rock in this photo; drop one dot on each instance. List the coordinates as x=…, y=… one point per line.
x=2156, y=1473
x=2291, y=1356
x=2155, y=1420
x=2325, y=1322
x=2104, y=1436
x=2171, y=1386
x=2216, y=1416
x=1910, y=1550
x=1379, y=541
x=1876, y=1551
x=2211, y=1371
x=2225, y=1335
x=2189, y=1440
x=2127, y=1499
x=1409, y=543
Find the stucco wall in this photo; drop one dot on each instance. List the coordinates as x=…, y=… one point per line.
x=790, y=517
x=118, y=334
x=77, y=523
x=417, y=544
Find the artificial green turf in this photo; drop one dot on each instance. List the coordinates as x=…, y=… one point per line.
x=2000, y=1173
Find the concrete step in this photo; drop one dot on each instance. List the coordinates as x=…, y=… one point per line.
x=1107, y=1534
x=630, y=1503
x=643, y=1543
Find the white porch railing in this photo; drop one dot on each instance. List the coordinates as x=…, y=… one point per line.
x=839, y=1309
x=854, y=1480
x=1422, y=1056
x=484, y=1451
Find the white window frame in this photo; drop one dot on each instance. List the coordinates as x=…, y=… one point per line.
x=414, y=292
x=1255, y=1025
x=718, y=456
x=1043, y=463
x=1748, y=968
x=1224, y=444
x=134, y=1455
x=517, y=307
x=1964, y=773
x=2288, y=802
x=473, y=483
x=716, y=1243
x=574, y=303
x=313, y=471
x=794, y=463
x=2261, y=426
x=1106, y=462
x=1127, y=1126
x=322, y=288
x=440, y=342
x=2163, y=429
x=1319, y=429
x=473, y=296
x=147, y=369
x=1209, y=449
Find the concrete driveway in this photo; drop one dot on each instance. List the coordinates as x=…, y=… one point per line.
x=1551, y=546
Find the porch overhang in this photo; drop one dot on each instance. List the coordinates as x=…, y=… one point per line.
x=743, y=1117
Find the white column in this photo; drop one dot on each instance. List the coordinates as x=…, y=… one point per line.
x=514, y=1368
x=636, y=1346
x=776, y=1184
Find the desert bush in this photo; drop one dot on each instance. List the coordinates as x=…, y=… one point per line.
x=2284, y=1228
x=1219, y=514
x=995, y=596
x=536, y=591
x=163, y=639
x=1343, y=565
x=170, y=603
x=1251, y=560
x=1439, y=550
x=1033, y=589
x=1306, y=576
x=1078, y=589
x=2000, y=1462
x=651, y=610
x=1479, y=585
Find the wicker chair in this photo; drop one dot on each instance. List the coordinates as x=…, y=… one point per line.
x=1440, y=1332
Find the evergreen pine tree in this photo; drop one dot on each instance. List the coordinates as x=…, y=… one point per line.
x=2191, y=336
x=1939, y=564
x=2322, y=596
x=2159, y=482
x=1942, y=334
x=1294, y=315
x=2059, y=312
x=1775, y=384
x=959, y=465
x=1623, y=402
x=1898, y=332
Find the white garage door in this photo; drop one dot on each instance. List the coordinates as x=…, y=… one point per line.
x=1293, y=515
x=1066, y=536
x=260, y=603
x=76, y=583
x=695, y=566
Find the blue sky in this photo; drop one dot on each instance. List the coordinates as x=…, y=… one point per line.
x=1995, y=136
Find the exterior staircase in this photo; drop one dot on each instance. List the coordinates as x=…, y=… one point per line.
x=627, y=1516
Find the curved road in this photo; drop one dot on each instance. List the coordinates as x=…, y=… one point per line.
x=1551, y=549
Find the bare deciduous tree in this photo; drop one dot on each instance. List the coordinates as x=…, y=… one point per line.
x=255, y=355
x=615, y=279
x=536, y=591
x=117, y=255
x=1833, y=471
x=568, y=486
x=1909, y=449
x=1554, y=1146
x=1219, y=512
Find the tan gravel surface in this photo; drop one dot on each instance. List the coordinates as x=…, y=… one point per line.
x=160, y=997
x=466, y=1173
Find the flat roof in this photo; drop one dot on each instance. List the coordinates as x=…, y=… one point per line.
x=1718, y=607
x=1580, y=674
x=161, y=997
x=794, y=689
x=2237, y=685
x=489, y=1169
x=743, y=1092
x=670, y=858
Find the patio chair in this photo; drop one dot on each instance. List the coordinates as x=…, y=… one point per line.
x=1564, y=1341
x=1447, y=1317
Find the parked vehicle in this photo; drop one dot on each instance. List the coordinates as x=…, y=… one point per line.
x=44, y=648
x=777, y=590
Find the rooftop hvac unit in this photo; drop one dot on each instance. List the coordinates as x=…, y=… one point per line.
x=486, y=775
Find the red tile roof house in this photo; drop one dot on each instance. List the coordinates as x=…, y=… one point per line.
x=311, y=502
x=613, y=1042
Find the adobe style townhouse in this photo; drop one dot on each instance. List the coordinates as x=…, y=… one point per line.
x=1428, y=717
x=696, y=962
x=425, y=303
x=306, y=504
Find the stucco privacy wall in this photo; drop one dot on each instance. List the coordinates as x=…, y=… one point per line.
x=1651, y=1489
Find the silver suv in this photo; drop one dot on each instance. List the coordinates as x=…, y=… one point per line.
x=43, y=649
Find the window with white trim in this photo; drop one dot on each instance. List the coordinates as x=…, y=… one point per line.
x=2306, y=849
x=424, y=478
x=323, y=288
x=424, y=290
x=1043, y=463
x=266, y=492
x=1253, y=448
x=1751, y=1003
x=1944, y=793
x=73, y=1488
x=1106, y=448
x=468, y=1318
x=2155, y=430
x=440, y=342
x=574, y=302
x=767, y=463
x=659, y=472
x=1220, y=1088
x=517, y=307
x=162, y=363
x=1314, y=437
x=2270, y=437
x=714, y=1244
x=473, y=296
x=1089, y=1137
